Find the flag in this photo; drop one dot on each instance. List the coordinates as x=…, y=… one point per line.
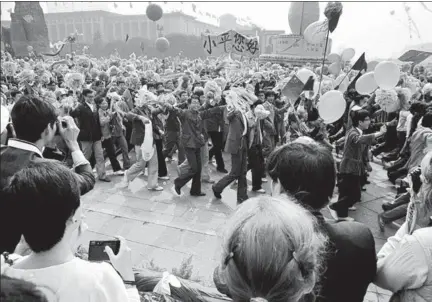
x=353, y=82
x=127, y=37
x=142, y=46
x=360, y=64
x=130, y=5
x=193, y=7
x=293, y=88
x=309, y=84
x=115, y=5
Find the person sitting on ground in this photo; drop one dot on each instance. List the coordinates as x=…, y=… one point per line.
x=272, y=251
x=36, y=124
x=47, y=197
x=306, y=170
x=405, y=261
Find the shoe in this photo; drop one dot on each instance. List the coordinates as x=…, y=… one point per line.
x=164, y=177
x=386, y=206
x=333, y=213
x=119, y=173
x=262, y=191
x=105, y=179
x=264, y=180
x=381, y=223
x=176, y=190
x=367, y=182
x=122, y=185
x=346, y=219
x=216, y=194
x=208, y=181
x=222, y=170
x=198, y=194
x=157, y=188
x=353, y=208
x=168, y=160
x=363, y=189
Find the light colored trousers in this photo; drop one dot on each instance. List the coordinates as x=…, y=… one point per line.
x=205, y=172
x=140, y=165
x=88, y=148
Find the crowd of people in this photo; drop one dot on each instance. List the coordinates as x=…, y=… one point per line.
x=67, y=116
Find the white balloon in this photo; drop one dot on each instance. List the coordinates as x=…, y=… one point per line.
x=335, y=68
x=304, y=74
x=316, y=32
x=366, y=83
x=387, y=75
x=371, y=65
x=331, y=106
x=347, y=54
x=343, y=82
x=334, y=57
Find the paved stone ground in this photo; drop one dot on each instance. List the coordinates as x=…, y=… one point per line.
x=164, y=230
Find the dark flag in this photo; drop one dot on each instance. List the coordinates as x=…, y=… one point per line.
x=142, y=47
x=127, y=37
x=309, y=84
x=353, y=82
x=333, y=11
x=130, y=5
x=360, y=64
x=193, y=7
x=293, y=88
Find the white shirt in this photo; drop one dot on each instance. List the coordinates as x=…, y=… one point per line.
x=359, y=130
x=77, y=280
x=90, y=105
x=78, y=157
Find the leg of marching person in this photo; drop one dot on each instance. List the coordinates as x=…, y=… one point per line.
x=161, y=159
x=152, y=181
x=100, y=160
x=205, y=171
x=242, y=181
x=109, y=147
x=196, y=180
x=137, y=167
x=87, y=149
x=236, y=168
x=187, y=174
x=121, y=142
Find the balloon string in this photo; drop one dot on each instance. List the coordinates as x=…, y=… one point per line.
x=324, y=57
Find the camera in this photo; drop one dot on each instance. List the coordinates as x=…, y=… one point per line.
x=416, y=180
x=62, y=124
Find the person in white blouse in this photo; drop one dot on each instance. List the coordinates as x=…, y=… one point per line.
x=48, y=200
x=405, y=261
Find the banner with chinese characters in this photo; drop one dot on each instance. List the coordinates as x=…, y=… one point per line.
x=296, y=45
x=230, y=42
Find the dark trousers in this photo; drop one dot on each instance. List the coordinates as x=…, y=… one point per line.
x=397, y=210
x=193, y=155
x=238, y=171
x=216, y=150
x=161, y=159
x=349, y=193
x=256, y=165
x=108, y=144
x=172, y=142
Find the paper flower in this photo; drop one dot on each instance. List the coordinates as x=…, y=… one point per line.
x=74, y=80
x=26, y=75
x=387, y=100
x=9, y=68
x=39, y=69
x=144, y=97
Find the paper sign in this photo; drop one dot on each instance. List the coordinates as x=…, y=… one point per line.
x=293, y=88
x=296, y=45
x=230, y=42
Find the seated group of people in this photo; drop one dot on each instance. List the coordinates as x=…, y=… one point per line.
x=277, y=248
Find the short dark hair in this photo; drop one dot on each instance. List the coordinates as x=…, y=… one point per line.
x=269, y=93
x=30, y=117
x=18, y=290
x=359, y=116
x=47, y=194
x=427, y=119
x=15, y=92
x=306, y=171
x=182, y=92
x=86, y=91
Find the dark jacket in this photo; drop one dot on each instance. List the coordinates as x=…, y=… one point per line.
x=88, y=122
x=138, y=130
x=215, y=123
x=351, y=261
x=234, y=141
x=13, y=160
x=192, y=125
x=355, y=144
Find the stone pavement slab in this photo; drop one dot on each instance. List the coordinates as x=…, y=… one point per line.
x=163, y=230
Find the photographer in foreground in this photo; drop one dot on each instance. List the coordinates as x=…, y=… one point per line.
x=36, y=124
x=47, y=195
x=405, y=261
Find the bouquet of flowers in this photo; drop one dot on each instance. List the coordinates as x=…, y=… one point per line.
x=9, y=68
x=387, y=99
x=74, y=80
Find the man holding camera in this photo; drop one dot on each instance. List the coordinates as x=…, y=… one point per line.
x=35, y=123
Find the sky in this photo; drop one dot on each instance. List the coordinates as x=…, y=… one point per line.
x=365, y=26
